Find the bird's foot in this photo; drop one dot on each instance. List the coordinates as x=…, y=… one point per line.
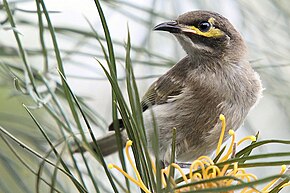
x=184, y=164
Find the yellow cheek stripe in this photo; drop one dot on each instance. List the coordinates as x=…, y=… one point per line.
x=212, y=32
x=211, y=20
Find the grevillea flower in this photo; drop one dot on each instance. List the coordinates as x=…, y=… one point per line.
x=204, y=173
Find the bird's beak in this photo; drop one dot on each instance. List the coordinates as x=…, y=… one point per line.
x=171, y=26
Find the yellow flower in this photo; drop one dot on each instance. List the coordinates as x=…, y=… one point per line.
x=204, y=168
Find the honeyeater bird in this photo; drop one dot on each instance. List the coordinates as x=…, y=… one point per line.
x=215, y=77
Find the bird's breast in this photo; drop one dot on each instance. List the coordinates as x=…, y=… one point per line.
x=195, y=111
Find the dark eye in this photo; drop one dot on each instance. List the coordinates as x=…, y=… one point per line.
x=204, y=26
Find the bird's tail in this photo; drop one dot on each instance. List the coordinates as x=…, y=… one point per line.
x=107, y=144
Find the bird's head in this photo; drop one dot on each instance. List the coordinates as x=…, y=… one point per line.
x=206, y=35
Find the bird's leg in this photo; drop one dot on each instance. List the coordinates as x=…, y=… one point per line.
x=184, y=164
x=167, y=158
x=234, y=151
x=163, y=164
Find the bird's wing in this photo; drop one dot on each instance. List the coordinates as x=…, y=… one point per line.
x=161, y=92
x=167, y=87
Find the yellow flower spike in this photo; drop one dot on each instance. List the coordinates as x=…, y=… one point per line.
x=206, y=160
x=231, y=132
x=140, y=182
x=251, y=137
x=235, y=170
x=248, y=176
x=253, y=191
x=197, y=176
x=283, y=169
x=207, y=169
x=223, y=119
x=111, y=166
x=153, y=166
x=224, y=170
x=185, y=189
x=167, y=172
x=245, y=190
x=195, y=164
x=163, y=172
x=129, y=144
x=284, y=185
x=230, y=150
x=215, y=171
x=180, y=171
x=210, y=173
x=232, y=173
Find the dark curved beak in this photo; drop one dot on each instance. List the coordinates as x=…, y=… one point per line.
x=171, y=26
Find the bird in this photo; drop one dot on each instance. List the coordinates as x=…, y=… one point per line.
x=214, y=77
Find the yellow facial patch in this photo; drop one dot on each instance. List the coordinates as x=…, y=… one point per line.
x=212, y=32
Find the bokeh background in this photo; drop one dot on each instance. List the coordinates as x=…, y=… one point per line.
x=264, y=24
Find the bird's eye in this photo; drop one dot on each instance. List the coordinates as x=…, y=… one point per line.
x=204, y=26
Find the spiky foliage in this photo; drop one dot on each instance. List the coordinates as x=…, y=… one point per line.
x=46, y=119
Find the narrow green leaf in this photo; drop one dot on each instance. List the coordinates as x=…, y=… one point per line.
x=172, y=160
x=231, y=187
x=20, y=48
x=260, y=143
x=41, y=39
x=96, y=146
x=278, y=188
x=53, y=148
x=249, y=152
x=27, y=166
x=33, y=152
x=219, y=155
